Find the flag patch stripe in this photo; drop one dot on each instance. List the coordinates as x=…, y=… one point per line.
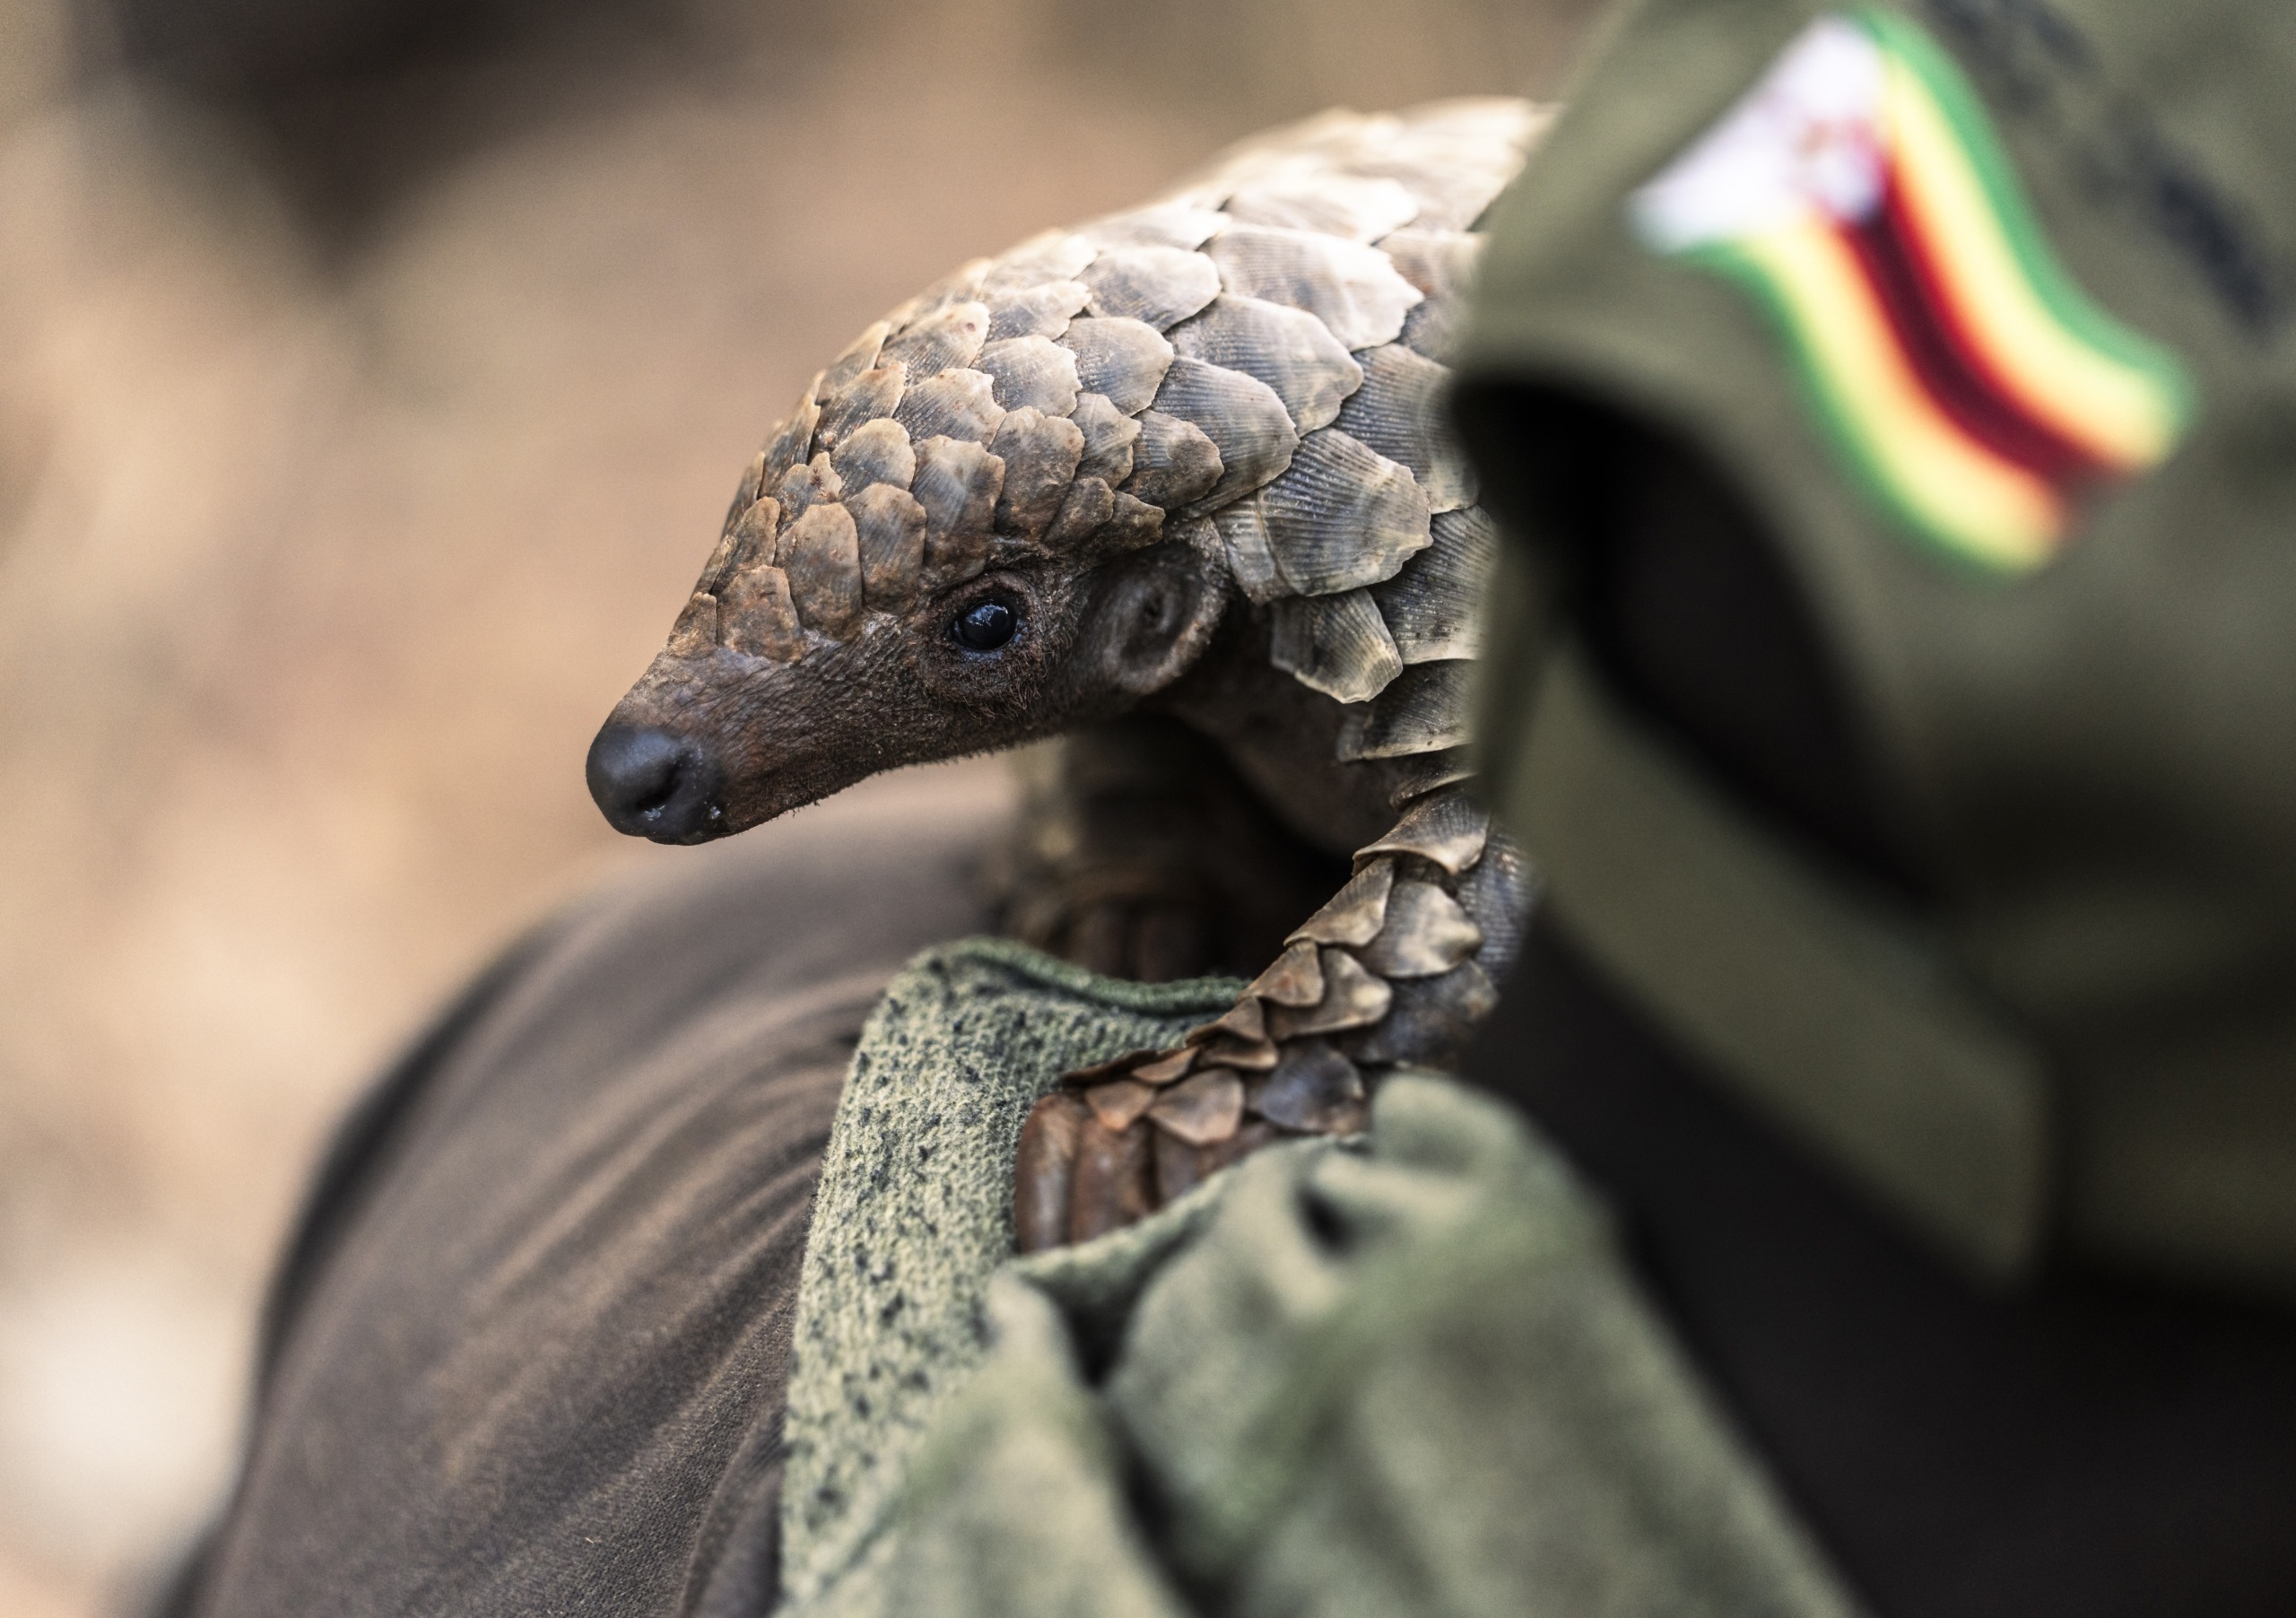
x=1858, y=192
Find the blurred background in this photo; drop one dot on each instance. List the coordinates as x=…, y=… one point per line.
x=373, y=376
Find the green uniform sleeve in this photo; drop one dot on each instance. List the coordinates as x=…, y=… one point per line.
x=1982, y=309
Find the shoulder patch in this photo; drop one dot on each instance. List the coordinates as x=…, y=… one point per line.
x=1859, y=194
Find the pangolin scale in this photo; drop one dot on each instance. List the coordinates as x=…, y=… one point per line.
x=1218, y=412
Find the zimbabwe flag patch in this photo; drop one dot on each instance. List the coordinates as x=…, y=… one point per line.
x=1859, y=193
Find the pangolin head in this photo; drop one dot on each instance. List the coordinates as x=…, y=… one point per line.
x=1025, y=499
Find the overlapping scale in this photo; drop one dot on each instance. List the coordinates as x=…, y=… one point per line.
x=1048, y=255
x=1426, y=933
x=1399, y=411
x=888, y=527
x=756, y=616
x=812, y=484
x=866, y=397
x=1445, y=829
x=792, y=441
x=942, y=340
x=1434, y=607
x=1030, y=373
x=821, y=553
x=1359, y=207
x=1251, y=558
x=1338, y=645
x=954, y=405
x=876, y=452
x=1176, y=224
x=1242, y=417
x=1290, y=350
x=1121, y=359
x=1159, y=285
x=1439, y=263
x=1343, y=516
x=1425, y=709
x=1351, y=288
x=753, y=534
x=1110, y=435
x=957, y=483
x=1039, y=453
x=1174, y=462
x=1040, y=311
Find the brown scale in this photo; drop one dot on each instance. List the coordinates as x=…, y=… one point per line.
x=1396, y=951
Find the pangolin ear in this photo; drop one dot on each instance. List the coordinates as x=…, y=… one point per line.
x=1156, y=612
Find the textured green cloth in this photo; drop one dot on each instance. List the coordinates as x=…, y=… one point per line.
x=1409, y=1373
x=915, y=1211
x=2087, y=1039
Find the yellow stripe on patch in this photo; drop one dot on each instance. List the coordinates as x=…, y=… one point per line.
x=1962, y=491
x=2119, y=413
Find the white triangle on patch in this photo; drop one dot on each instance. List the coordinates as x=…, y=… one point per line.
x=1808, y=139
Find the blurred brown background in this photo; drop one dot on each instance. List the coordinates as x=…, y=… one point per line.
x=373, y=374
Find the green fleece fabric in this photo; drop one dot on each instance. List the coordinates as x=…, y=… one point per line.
x=914, y=1210
x=1407, y=1373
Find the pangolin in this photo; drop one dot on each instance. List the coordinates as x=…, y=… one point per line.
x=1184, y=459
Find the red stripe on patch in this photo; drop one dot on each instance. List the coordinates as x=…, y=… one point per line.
x=1890, y=249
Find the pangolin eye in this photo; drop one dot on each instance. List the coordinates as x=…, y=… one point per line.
x=984, y=626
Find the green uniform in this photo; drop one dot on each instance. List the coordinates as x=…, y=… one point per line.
x=1979, y=306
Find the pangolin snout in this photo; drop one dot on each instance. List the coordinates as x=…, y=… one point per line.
x=656, y=783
